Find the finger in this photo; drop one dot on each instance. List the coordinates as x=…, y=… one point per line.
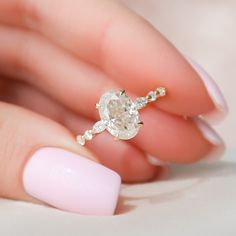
x=124, y=158
x=189, y=100
x=33, y=59
x=173, y=139
x=167, y=138
x=40, y=160
x=123, y=44
x=129, y=161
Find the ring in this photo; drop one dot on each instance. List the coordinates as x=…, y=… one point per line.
x=119, y=115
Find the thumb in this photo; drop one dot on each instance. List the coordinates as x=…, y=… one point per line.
x=39, y=160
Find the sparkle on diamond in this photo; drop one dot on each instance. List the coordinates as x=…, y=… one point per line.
x=120, y=113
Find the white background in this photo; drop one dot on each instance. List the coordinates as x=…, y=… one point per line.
x=196, y=200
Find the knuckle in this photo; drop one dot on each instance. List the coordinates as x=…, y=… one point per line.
x=104, y=39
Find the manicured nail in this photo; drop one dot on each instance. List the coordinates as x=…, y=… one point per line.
x=156, y=161
x=221, y=108
x=71, y=182
x=211, y=136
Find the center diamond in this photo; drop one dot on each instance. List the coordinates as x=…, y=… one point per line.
x=120, y=113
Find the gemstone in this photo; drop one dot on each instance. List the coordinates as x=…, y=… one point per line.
x=99, y=126
x=81, y=140
x=88, y=135
x=161, y=92
x=120, y=113
x=140, y=102
x=152, y=96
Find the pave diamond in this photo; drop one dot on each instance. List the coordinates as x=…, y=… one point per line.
x=161, y=91
x=81, y=140
x=99, y=126
x=88, y=135
x=140, y=102
x=152, y=96
x=121, y=114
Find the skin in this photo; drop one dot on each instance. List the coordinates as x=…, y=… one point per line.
x=58, y=57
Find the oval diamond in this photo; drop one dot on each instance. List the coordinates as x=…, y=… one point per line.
x=120, y=113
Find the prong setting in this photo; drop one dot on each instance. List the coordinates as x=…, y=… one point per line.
x=122, y=92
x=140, y=123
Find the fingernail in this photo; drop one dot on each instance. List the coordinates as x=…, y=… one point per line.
x=156, y=161
x=71, y=182
x=221, y=107
x=211, y=136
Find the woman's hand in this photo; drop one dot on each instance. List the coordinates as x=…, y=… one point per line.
x=56, y=58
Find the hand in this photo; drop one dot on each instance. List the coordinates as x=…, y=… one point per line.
x=56, y=60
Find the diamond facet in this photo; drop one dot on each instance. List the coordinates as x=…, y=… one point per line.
x=81, y=140
x=161, y=91
x=99, y=126
x=140, y=102
x=120, y=113
x=152, y=96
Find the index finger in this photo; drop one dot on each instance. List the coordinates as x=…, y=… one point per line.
x=124, y=45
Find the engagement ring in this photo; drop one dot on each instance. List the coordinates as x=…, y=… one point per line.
x=119, y=115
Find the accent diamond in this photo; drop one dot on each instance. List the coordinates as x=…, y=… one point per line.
x=140, y=102
x=161, y=91
x=152, y=96
x=99, y=126
x=88, y=135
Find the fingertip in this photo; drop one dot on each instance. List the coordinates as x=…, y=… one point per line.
x=57, y=177
x=220, y=109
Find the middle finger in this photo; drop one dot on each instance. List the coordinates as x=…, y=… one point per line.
x=185, y=142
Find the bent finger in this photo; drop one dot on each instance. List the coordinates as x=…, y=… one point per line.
x=40, y=160
x=33, y=59
x=124, y=158
x=126, y=46
x=168, y=138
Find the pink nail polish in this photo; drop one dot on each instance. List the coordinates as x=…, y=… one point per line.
x=221, y=108
x=71, y=182
x=211, y=136
x=156, y=161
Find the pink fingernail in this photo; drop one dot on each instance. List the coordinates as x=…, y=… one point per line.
x=156, y=161
x=221, y=107
x=211, y=136
x=71, y=182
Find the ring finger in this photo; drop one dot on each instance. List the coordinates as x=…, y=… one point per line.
x=171, y=139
